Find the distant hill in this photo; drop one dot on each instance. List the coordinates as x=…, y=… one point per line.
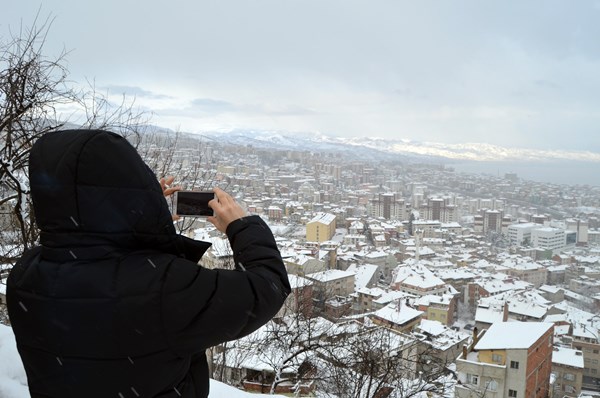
x=380, y=148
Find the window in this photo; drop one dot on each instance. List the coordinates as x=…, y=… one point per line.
x=496, y=358
x=472, y=379
x=512, y=393
x=569, y=388
x=514, y=365
x=569, y=376
x=491, y=385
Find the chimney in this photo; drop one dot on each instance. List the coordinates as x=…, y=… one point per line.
x=464, y=352
x=505, y=312
x=475, y=336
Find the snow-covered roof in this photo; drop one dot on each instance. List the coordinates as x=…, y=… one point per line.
x=330, y=275
x=390, y=295
x=323, y=218
x=363, y=274
x=441, y=336
x=550, y=289
x=298, y=281
x=299, y=259
x=397, y=313
x=512, y=335
x=489, y=314
x=497, y=286
x=376, y=254
x=568, y=357
x=434, y=328
x=434, y=299
x=416, y=275
x=455, y=273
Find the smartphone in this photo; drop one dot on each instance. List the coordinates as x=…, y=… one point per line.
x=193, y=203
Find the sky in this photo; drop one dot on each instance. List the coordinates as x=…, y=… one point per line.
x=512, y=72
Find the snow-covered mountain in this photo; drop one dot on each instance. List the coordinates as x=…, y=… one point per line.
x=380, y=148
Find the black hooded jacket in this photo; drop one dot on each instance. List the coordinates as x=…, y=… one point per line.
x=112, y=304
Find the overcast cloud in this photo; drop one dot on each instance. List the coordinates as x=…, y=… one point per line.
x=514, y=73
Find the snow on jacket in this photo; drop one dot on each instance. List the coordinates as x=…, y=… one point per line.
x=112, y=304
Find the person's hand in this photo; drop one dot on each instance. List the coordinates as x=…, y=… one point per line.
x=165, y=185
x=226, y=210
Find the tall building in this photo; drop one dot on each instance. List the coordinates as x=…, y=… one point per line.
x=491, y=220
x=320, y=228
x=389, y=206
x=510, y=359
x=438, y=209
x=579, y=226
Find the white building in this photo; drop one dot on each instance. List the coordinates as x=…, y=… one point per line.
x=549, y=238
x=520, y=234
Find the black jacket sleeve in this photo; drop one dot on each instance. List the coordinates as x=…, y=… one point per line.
x=204, y=307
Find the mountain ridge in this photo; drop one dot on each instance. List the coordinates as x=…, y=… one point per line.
x=406, y=149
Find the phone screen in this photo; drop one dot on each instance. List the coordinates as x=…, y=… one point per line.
x=193, y=203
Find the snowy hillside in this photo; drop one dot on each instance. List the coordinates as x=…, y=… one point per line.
x=370, y=147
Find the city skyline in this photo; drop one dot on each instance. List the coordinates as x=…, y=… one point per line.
x=510, y=74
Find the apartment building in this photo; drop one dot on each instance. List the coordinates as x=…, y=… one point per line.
x=438, y=308
x=491, y=221
x=397, y=316
x=520, y=234
x=567, y=369
x=418, y=280
x=510, y=359
x=438, y=209
x=389, y=206
x=548, y=238
x=300, y=300
x=586, y=338
x=527, y=271
x=321, y=228
x=329, y=284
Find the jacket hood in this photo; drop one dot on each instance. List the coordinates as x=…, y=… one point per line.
x=91, y=188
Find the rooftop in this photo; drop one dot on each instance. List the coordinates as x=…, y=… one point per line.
x=568, y=357
x=512, y=335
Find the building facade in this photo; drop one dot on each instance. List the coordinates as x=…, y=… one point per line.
x=321, y=228
x=510, y=359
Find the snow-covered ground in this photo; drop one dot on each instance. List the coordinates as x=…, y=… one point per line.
x=13, y=382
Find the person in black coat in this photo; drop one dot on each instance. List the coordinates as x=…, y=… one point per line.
x=113, y=303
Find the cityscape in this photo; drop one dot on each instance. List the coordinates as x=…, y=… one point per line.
x=498, y=276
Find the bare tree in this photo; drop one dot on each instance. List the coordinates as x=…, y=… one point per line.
x=376, y=362
x=31, y=87
x=282, y=348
